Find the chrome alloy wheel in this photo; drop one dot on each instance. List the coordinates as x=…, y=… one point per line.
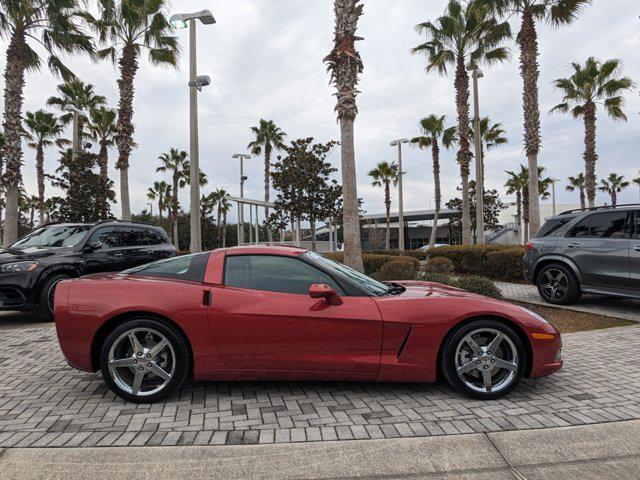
x=554, y=284
x=141, y=362
x=487, y=360
x=51, y=294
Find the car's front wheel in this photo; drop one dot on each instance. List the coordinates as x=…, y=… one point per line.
x=144, y=360
x=558, y=285
x=47, y=295
x=483, y=359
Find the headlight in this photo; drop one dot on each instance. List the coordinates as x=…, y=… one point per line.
x=534, y=315
x=18, y=267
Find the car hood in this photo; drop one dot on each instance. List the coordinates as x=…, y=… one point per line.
x=415, y=288
x=8, y=255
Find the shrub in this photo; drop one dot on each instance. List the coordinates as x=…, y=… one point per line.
x=473, y=284
x=396, y=270
x=335, y=256
x=505, y=264
x=440, y=265
x=419, y=254
x=478, y=260
x=373, y=262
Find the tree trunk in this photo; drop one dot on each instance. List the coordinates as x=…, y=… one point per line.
x=224, y=229
x=124, y=127
x=103, y=162
x=528, y=41
x=314, y=244
x=267, y=181
x=590, y=155
x=526, y=210
x=614, y=198
x=175, y=207
x=17, y=60
x=160, y=212
x=387, y=204
x=351, y=217
x=519, y=215
x=464, y=154
x=435, y=153
x=583, y=198
x=40, y=175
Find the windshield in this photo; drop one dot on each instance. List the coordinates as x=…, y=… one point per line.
x=367, y=283
x=53, y=237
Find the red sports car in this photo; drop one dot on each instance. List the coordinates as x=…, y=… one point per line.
x=282, y=313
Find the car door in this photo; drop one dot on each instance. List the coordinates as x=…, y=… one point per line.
x=102, y=252
x=263, y=319
x=634, y=253
x=599, y=246
x=135, y=246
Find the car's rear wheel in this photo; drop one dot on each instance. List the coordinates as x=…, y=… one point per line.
x=144, y=360
x=558, y=285
x=46, y=296
x=484, y=359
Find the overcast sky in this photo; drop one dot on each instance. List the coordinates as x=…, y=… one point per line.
x=265, y=59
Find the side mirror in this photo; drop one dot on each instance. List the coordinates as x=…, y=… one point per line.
x=326, y=292
x=92, y=247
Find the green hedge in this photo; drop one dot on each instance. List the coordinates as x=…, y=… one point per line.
x=496, y=261
x=374, y=262
x=396, y=270
x=419, y=254
x=473, y=284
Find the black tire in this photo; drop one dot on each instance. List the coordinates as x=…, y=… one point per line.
x=448, y=360
x=178, y=347
x=558, y=285
x=44, y=311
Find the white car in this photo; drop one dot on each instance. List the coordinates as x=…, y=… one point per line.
x=424, y=248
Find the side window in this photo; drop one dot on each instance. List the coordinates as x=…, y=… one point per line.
x=636, y=230
x=274, y=274
x=108, y=237
x=187, y=267
x=132, y=237
x=154, y=238
x=602, y=225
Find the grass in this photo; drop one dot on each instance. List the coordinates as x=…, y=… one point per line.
x=568, y=321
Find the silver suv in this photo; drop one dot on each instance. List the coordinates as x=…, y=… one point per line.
x=596, y=250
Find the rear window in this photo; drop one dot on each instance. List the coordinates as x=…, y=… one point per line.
x=187, y=267
x=552, y=226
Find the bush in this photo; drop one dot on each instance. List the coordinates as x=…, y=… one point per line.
x=396, y=270
x=419, y=254
x=478, y=260
x=373, y=262
x=473, y=284
x=505, y=264
x=440, y=265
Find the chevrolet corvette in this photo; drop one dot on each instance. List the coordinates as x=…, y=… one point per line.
x=283, y=313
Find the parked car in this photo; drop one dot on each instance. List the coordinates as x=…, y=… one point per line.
x=424, y=248
x=31, y=268
x=284, y=313
x=596, y=250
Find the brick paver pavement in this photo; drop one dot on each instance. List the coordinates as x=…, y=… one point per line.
x=627, y=309
x=43, y=402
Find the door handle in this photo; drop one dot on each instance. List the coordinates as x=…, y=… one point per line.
x=118, y=254
x=574, y=245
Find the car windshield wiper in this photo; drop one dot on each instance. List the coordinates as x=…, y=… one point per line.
x=395, y=288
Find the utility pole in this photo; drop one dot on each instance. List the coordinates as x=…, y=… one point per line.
x=399, y=143
x=476, y=73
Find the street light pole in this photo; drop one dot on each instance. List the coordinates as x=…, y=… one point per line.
x=243, y=178
x=399, y=143
x=179, y=21
x=553, y=194
x=476, y=73
x=76, y=112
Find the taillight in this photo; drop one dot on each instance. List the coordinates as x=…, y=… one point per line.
x=529, y=246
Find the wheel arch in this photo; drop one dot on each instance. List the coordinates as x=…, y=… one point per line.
x=107, y=327
x=70, y=270
x=505, y=321
x=543, y=262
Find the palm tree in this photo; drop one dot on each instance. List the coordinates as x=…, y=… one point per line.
x=1, y=186
x=75, y=93
x=43, y=130
x=592, y=84
x=542, y=188
x=558, y=13
x=51, y=25
x=577, y=183
x=128, y=28
x=613, y=185
x=345, y=64
x=384, y=175
x=433, y=131
x=161, y=191
x=175, y=162
x=517, y=184
x=102, y=129
x=491, y=137
x=223, y=205
x=466, y=33
x=635, y=180
x=268, y=137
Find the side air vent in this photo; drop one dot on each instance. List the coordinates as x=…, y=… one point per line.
x=404, y=342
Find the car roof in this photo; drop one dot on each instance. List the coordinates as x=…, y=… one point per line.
x=266, y=250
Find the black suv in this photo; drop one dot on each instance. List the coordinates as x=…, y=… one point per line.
x=596, y=250
x=31, y=268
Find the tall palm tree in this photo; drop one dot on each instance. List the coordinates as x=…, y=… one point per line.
x=52, y=25
x=613, y=185
x=578, y=183
x=345, y=64
x=433, y=131
x=466, y=33
x=1, y=183
x=491, y=137
x=176, y=162
x=542, y=188
x=223, y=205
x=384, y=175
x=102, y=129
x=268, y=137
x=75, y=93
x=592, y=84
x=43, y=129
x=516, y=185
x=161, y=191
x=127, y=28
x=557, y=13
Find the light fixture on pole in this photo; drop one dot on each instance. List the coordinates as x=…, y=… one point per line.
x=77, y=113
x=243, y=178
x=553, y=193
x=399, y=143
x=196, y=83
x=476, y=73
